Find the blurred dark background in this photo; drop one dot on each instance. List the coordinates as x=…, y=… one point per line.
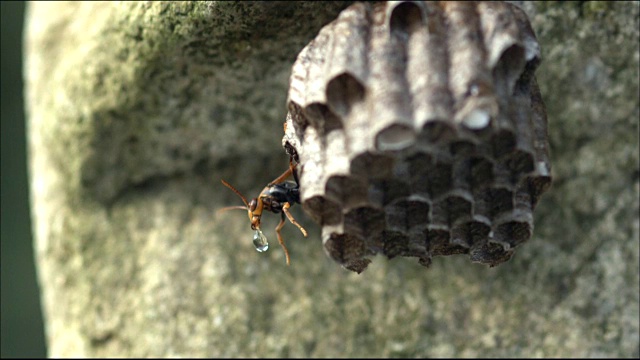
x=22, y=333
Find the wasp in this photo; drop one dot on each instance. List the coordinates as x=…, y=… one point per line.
x=277, y=197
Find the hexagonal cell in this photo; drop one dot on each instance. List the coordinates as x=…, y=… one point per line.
x=512, y=233
x=345, y=249
x=468, y=233
x=450, y=207
x=383, y=192
x=407, y=213
x=396, y=243
x=348, y=191
x=366, y=222
x=322, y=210
x=372, y=166
x=490, y=254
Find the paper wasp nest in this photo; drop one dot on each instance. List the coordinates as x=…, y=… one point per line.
x=420, y=131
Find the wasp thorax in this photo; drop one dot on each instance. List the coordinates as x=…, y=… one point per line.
x=260, y=241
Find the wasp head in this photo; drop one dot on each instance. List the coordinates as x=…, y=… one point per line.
x=254, y=210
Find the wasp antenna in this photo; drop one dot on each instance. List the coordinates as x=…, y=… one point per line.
x=231, y=208
x=244, y=200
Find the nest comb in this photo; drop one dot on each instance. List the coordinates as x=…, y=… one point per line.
x=420, y=131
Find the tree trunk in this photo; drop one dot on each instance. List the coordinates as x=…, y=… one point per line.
x=137, y=110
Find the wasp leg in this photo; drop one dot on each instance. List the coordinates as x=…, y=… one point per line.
x=285, y=210
x=292, y=168
x=281, y=178
x=280, y=240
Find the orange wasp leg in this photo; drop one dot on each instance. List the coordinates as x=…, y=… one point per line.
x=285, y=175
x=281, y=240
x=285, y=210
x=282, y=177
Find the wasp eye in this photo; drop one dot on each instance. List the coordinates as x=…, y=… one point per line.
x=253, y=204
x=260, y=241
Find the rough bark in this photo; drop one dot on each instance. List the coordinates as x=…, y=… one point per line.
x=136, y=110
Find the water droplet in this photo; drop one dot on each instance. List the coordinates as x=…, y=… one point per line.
x=260, y=241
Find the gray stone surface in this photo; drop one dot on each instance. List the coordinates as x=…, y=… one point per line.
x=136, y=110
